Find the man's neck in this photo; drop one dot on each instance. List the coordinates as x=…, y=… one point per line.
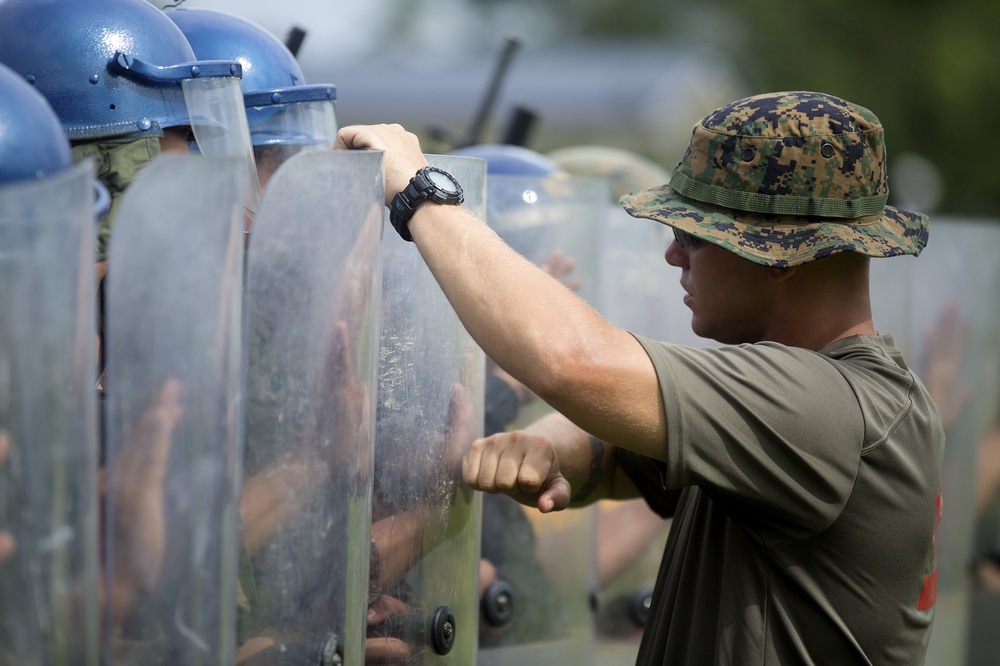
x=824, y=302
x=818, y=331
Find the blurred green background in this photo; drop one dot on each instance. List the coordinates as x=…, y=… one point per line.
x=929, y=70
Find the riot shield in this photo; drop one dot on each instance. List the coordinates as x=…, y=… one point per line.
x=630, y=541
x=174, y=412
x=892, y=298
x=313, y=276
x=548, y=218
x=640, y=293
x=954, y=346
x=638, y=290
x=48, y=490
x=546, y=562
x=429, y=410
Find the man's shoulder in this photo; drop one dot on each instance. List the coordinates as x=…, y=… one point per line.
x=861, y=345
x=760, y=354
x=874, y=357
x=886, y=389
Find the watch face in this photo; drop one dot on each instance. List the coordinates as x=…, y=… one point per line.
x=442, y=181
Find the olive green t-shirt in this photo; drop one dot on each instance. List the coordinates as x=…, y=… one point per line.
x=809, y=496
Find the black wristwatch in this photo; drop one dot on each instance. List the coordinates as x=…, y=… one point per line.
x=429, y=184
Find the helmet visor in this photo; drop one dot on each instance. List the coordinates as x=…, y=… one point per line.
x=311, y=124
x=219, y=124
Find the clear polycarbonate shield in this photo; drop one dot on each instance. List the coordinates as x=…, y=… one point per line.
x=554, y=222
x=634, y=275
x=219, y=123
x=892, y=298
x=954, y=346
x=173, y=313
x=48, y=463
x=640, y=293
x=313, y=318
x=548, y=570
x=638, y=290
x=630, y=540
x=423, y=608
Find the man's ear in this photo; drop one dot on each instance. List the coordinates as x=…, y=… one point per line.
x=780, y=274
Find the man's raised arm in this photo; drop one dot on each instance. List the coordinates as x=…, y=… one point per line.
x=530, y=324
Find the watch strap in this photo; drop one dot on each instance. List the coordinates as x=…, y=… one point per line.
x=401, y=209
x=419, y=189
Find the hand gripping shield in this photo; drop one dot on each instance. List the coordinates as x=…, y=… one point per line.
x=174, y=412
x=48, y=489
x=429, y=411
x=312, y=301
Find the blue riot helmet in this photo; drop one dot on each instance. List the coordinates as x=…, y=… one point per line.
x=515, y=175
x=285, y=115
x=109, y=68
x=118, y=73
x=510, y=160
x=32, y=143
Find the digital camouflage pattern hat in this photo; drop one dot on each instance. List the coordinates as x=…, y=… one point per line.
x=785, y=178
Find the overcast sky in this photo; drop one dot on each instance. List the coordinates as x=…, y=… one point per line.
x=342, y=26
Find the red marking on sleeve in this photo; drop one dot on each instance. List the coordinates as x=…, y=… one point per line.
x=928, y=595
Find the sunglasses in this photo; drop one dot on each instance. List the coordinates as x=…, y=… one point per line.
x=684, y=239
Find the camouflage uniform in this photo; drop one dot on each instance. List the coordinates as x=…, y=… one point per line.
x=118, y=162
x=785, y=178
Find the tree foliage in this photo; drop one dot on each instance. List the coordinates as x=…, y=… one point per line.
x=927, y=69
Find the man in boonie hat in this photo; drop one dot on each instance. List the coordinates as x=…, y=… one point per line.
x=801, y=463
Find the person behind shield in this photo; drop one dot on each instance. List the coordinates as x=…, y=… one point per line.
x=35, y=158
x=628, y=534
x=287, y=600
x=126, y=87
x=518, y=601
x=125, y=84
x=33, y=151
x=801, y=462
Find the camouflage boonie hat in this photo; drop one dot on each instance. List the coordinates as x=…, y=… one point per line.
x=785, y=178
